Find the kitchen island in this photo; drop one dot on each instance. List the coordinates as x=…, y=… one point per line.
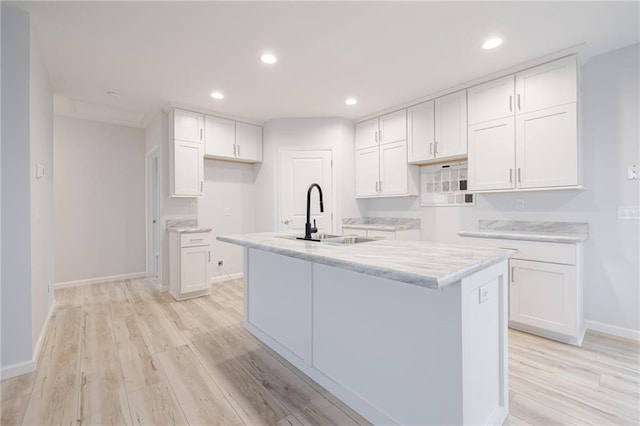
x=404, y=332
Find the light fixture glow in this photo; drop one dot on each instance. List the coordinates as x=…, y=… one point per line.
x=217, y=95
x=351, y=101
x=492, y=43
x=268, y=58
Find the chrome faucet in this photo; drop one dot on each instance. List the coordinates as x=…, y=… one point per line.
x=308, y=229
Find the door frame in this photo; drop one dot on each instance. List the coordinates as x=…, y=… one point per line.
x=148, y=211
x=329, y=148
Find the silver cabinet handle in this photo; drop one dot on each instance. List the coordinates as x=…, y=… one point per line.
x=431, y=148
x=518, y=101
x=238, y=150
x=377, y=187
x=519, y=177
x=510, y=175
x=195, y=240
x=201, y=186
x=201, y=133
x=510, y=103
x=436, y=148
x=209, y=256
x=376, y=136
x=513, y=275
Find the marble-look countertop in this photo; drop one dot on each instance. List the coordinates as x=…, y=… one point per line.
x=381, y=223
x=185, y=226
x=426, y=264
x=553, y=232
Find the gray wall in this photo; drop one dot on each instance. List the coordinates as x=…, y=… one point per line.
x=99, y=206
x=610, y=138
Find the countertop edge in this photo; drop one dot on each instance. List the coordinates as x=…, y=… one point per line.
x=524, y=236
x=405, y=277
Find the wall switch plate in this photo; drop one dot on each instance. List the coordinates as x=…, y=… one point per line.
x=520, y=203
x=632, y=172
x=39, y=171
x=227, y=211
x=483, y=294
x=629, y=212
x=220, y=263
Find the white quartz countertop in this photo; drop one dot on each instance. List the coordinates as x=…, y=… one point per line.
x=375, y=227
x=188, y=230
x=551, y=237
x=427, y=264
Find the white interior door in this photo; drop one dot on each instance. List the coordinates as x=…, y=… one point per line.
x=298, y=170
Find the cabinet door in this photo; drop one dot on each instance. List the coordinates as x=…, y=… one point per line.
x=219, y=137
x=451, y=125
x=367, y=172
x=543, y=295
x=421, y=132
x=367, y=134
x=547, y=148
x=393, y=127
x=188, y=168
x=188, y=126
x=547, y=86
x=492, y=155
x=393, y=169
x=248, y=142
x=195, y=264
x=491, y=101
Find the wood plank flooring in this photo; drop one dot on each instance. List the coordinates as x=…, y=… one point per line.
x=124, y=353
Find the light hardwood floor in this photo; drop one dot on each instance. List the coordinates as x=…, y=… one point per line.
x=125, y=353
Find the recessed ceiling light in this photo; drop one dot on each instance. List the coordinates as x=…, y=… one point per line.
x=217, y=95
x=492, y=43
x=268, y=58
x=113, y=93
x=351, y=101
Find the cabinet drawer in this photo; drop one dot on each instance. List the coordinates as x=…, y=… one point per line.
x=386, y=235
x=195, y=239
x=354, y=231
x=532, y=250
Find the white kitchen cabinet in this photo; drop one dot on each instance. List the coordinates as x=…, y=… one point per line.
x=437, y=130
x=232, y=140
x=248, y=142
x=186, y=154
x=189, y=264
x=543, y=295
x=531, y=139
x=451, y=125
x=403, y=234
x=421, y=132
x=219, y=137
x=547, y=147
x=381, y=168
x=491, y=101
x=548, y=85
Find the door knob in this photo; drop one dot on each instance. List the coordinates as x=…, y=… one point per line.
x=286, y=221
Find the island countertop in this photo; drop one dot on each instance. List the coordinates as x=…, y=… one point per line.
x=427, y=264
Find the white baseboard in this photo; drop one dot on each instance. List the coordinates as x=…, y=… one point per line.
x=614, y=330
x=223, y=278
x=101, y=280
x=29, y=366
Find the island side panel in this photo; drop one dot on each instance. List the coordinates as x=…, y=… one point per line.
x=278, y=293
x=485, y=342
x=394, y=349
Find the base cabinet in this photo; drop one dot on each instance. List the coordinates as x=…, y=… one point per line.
x=405, y=234
x=189, y=264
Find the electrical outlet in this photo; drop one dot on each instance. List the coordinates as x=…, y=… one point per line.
x=49, y=286
x=484, y=295
x=227, y=211
x=220, y=263
x=520, y=203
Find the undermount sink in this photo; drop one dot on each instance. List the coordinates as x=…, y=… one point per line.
x=348, y=239
x=320, y=236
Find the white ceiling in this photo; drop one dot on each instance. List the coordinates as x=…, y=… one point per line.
x=155, y=53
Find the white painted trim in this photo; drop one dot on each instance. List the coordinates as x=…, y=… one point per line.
x=614, y=330
x=43, y=332
x=223, y=278
x=17, y=369
x=147, y=200
x=101, y=280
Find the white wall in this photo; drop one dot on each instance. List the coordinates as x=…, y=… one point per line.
x=42, y=245
x=307, y=132
x=27, y=240
x=227, y=185
x=99, y=200
x=610, y=138
x=16, y=331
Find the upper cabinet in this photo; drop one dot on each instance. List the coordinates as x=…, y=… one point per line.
x=437, y=130
x=186, y=152
x=523, y=130
x=232, y=140
x=381, y=167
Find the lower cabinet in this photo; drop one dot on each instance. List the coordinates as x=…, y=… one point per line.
x=543, y=295
x=189, y=264
x=405, y=234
